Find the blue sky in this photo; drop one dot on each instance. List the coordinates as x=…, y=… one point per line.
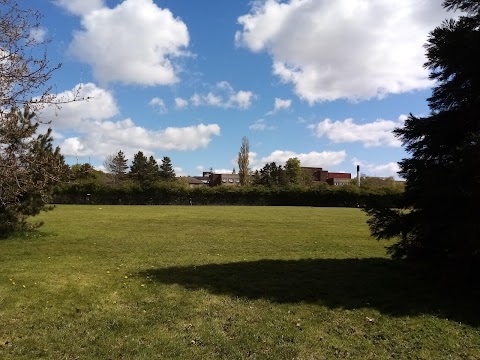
x=325, y=81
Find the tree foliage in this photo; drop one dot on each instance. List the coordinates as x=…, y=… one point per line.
x=138, y=168
x=144, y=171
x=167, y=173
x=270, y=175
x=152, y=171
x=293, y=171
x=117, y=166
x=29, y=165
x=82, y=172
x=445, y=151
x=29, y=169
x=243, y=162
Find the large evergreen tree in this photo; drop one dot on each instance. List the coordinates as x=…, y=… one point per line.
x=167, y=173
x=138, y=168
x=29, y=165
x=117, y=166
x=29, y=169
x=438, y=215
x=271, y=175
x=152, y=170
x=143, y=170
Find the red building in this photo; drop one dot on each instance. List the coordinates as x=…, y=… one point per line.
x=331, y=178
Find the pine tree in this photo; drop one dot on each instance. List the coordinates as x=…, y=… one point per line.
x=152, y=170
x=29, y=170
x=29, y=165
x=166, y=169
x=437, y=217
x=138, y=169
x=118, y=166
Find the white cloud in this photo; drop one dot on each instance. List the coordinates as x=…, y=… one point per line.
x=133, y=43
x=340, y=49
x=179, y=171
x=324, y=159
x=380, y=170
x=99, y=138
x=100, y=106
x=37, y=35
x=224, y=96
x=159, y=104
x=196, y=100
x=224, y=171
x=80, y=7
x=241, y=100
x=180, y=103
x=87, y=127
x=377, y=133
x=281, y=104
x=213, y=100
x=260, y=125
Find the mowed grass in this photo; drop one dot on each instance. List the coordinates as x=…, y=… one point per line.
x=168, y=282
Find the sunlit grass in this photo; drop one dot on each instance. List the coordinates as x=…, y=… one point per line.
x=125, y=282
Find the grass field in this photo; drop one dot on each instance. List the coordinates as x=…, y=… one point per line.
x=167, y=282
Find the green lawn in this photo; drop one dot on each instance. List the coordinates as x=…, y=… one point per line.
x=188, y=282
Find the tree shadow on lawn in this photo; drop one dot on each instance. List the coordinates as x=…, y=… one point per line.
x=392, y=287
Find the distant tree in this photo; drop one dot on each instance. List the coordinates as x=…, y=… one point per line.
x=117, y=166
x=138, y=169
x=243, y=162
x=82, y=172
x=293, y=171
x=307, y=177
x=272, y=175
x=167, y=173
x=152, y=170
x=256, y=178
x=371, y=182
x=437, y=217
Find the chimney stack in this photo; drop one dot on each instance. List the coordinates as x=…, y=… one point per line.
x=358, y=175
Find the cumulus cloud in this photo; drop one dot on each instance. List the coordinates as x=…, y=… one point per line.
x=133, y=43
x=324, y=159
x=87, y=127
x=181, y=103
x=158, y=104
x=377, y=133
x=101, y=105
x=224, y=96
x=80, y=7
x=281, y=104
x=261, y=125
x=380, y=170
x=99, y=138
x=331, y=50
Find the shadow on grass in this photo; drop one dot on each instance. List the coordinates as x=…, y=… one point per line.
x=392, y=287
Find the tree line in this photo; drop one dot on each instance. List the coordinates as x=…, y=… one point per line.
x=144, y=171
x=176, y=193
